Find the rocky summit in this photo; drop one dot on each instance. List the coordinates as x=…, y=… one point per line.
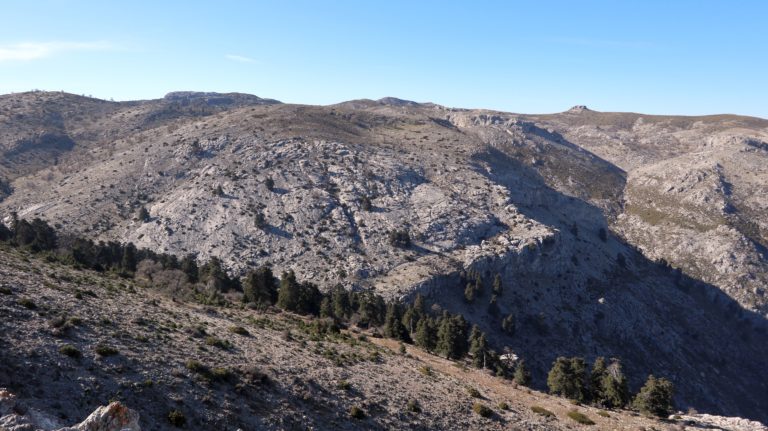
x=640, y=237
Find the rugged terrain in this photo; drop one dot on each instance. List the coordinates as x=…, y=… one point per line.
x=627, y=235
x=73, y=340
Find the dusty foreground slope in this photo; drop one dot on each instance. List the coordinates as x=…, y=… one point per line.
x=628, y=235
x=277, y=375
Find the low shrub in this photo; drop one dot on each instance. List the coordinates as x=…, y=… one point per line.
x=217, y=342
x=482, y=410
x=70, y=351
x=542, y=411
x=503, y=406
x=356, y=413
x=103, y=350
x=221, y=374
x=177, y=418
x=474, y=393
x=239, y=330
x=580, y=417
x=603, y=413
x=413, y=406
x=27, y=303
x=195, y=366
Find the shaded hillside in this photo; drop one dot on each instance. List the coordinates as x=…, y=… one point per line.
x=580, y=213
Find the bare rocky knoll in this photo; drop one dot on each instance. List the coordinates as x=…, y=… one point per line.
x=73, y=340
x=574, y=210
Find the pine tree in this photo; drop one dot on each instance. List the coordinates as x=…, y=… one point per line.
x=614, y=386
x=579, y=382
x=414, y=313
x=189, y=267
x=259, y=286
x=469, y=293
x=309, y=299
x=596, y=380
x=128, y=262
x=410, y=319
x=393, y=325
x=214, y=275
x=342, y=308
x=288, y=294
x=478, y=347
x=497, y=287
x=557, y=379
x=419, y=303
x=508, y=324
x=371, y=308
x=522, y=375
x=655, y=397
x=426, y=334
x=567, y=378
x=326, y=309
x=451, y=336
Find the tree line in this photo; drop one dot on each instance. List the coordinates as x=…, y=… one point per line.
x=443, y=333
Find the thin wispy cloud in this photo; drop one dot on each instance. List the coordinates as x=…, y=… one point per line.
x=240, y=58
x=27, y=51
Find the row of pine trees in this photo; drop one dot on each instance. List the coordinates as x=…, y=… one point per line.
x=448, y=335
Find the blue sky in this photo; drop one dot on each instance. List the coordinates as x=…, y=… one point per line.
x=672, y=57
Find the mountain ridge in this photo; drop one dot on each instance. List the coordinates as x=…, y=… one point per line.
x=573, y=210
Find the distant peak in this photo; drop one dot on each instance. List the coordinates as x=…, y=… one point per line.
x=394, y=101
x=212, y=98
x=578, y=109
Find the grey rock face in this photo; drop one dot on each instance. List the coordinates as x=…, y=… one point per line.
x=616, y=234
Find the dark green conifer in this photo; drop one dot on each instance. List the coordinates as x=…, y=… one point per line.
x=522, y=375
x=656, y=397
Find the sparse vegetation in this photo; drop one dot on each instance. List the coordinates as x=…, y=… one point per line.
x=27, y=303
x=71, y=351
x=399, y=238
x=177, y=418
x=356, y=413
x=104, y=350
x=542, y=411
x=482, y=410
x=413, y=406
x=217, y=342
x=239, y=330
x=580, y=417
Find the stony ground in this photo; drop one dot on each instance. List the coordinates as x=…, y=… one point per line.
x=277, y=374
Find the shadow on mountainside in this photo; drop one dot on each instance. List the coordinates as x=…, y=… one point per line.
x=656, y=319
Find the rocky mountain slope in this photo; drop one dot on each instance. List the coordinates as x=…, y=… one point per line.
x=574, y=210
x=72, y=340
